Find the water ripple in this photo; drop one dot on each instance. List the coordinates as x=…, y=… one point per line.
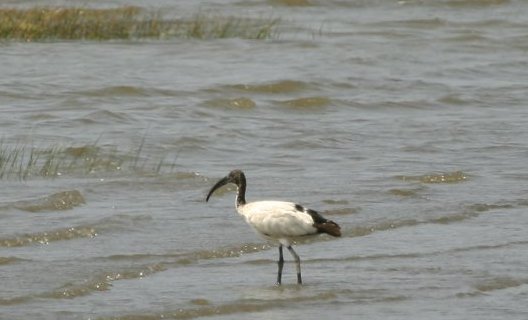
x=448, y=177
x=48, y=236
x=64, y=200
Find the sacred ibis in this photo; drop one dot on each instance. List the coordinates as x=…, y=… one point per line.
x=279, y=221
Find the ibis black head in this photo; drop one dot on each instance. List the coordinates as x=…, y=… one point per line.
x=237, y=177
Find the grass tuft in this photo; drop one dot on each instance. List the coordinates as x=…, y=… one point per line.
x=21, y=162
x=128, y=22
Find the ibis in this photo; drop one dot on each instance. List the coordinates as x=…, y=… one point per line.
x=278, y=221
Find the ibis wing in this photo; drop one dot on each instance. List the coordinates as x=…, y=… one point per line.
x=278, y=219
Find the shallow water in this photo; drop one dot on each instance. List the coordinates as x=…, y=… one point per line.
x=403, y=121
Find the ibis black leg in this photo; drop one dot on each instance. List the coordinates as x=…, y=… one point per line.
x=280, y=264
x=297, y=264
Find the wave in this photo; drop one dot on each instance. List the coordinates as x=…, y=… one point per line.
x=64, y=200
x=360, y=231
x=240, y=103
x=410, y=255
x=8, y=260
x=405, y=192
x=48, y=236
x=473, y=3
x=154, y=263
x=103, y=281
x=493, y=284
x=289, y=295
x=109, y=224
x=278, y=87
x=106, y=116
x=499, y=283
x=469, y=212
x=125, y=91
x=227, y=309
x=341, y=211
x=335, y=201
x=220, y=253
x=291, y=3
x=429, y=23
x=446, y=177
x=100, y=282
x=307, y=103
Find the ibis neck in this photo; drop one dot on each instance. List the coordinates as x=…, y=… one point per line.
x=241, y=195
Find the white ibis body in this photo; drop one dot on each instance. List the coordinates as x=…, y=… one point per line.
x=280, y=221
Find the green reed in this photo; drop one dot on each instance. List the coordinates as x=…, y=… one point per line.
x=24, y=162
x=128, y=22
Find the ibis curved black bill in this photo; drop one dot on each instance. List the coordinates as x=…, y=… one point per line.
x=237, y=177
x=218, y=185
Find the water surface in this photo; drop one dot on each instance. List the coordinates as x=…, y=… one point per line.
x=403, y=121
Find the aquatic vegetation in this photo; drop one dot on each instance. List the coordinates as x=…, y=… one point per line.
x=203, y=26
x=67, y=23
x=128, y=22
x=23, y=162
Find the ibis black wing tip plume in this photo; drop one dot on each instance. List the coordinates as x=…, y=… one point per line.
x=329, y=227
x=320, y=223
